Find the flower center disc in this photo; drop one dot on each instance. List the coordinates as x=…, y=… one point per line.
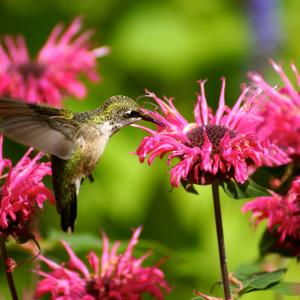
x=215, y=133
x=92, y=288
x=31, y=68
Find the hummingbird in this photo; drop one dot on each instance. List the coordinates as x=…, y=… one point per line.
x=75, y=141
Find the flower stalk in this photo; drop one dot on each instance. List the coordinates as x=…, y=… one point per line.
x=220, y=236
x=8, y=273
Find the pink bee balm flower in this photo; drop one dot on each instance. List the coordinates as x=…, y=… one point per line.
x=281, y=111
x=55, y=70
x=281, y=212
x=113, y=276
x=21, y=191
x=221, y=146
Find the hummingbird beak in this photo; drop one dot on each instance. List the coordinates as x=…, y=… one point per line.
x=149, y=118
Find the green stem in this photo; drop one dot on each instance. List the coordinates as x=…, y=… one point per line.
x=9, y=278
x=220, y=236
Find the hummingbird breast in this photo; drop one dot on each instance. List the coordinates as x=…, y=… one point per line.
x=91, y=144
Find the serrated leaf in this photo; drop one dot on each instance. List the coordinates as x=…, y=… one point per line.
x=287, y=288
x=260, y=281
x=249, y=189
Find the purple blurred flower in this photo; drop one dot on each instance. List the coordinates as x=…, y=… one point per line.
x=113, y=276
x=281, y=212
x=281, y=111
x=221, y=146
x=21, y=192
x=54, y=72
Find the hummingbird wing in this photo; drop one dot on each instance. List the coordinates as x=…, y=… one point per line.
x=48, y=129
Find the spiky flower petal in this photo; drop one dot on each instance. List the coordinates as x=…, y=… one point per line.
x=22, y=191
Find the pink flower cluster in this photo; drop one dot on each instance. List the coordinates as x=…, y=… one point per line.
x=113, y=276
x=280, y=111
x=54, y=72
x=281, y=212
x=21, y=191
x=221, y=146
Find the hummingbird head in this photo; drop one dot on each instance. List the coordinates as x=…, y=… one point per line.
x=121, y=111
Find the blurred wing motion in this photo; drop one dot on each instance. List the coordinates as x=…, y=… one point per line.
x=50, y=130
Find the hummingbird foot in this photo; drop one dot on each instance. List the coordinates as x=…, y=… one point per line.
x=91, y=178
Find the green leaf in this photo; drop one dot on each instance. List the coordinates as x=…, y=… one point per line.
x=249, y=189
x=285, y=174
x=245, y=270
x=264, y=175
x=287, y=288
x=260, y=281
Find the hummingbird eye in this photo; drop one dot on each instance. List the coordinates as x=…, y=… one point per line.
x=132, y=114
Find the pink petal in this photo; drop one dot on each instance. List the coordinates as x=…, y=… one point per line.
x=76, y=262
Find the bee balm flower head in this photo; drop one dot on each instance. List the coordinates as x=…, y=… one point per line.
x=282, y=213
x=113, y=276
x=215, y=146
x=55, y=70
x=281, y=111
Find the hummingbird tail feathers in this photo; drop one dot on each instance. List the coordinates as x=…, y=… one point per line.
x=66, y=189
x=68, y=212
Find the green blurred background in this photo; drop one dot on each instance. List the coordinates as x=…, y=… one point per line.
x=164, y=46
